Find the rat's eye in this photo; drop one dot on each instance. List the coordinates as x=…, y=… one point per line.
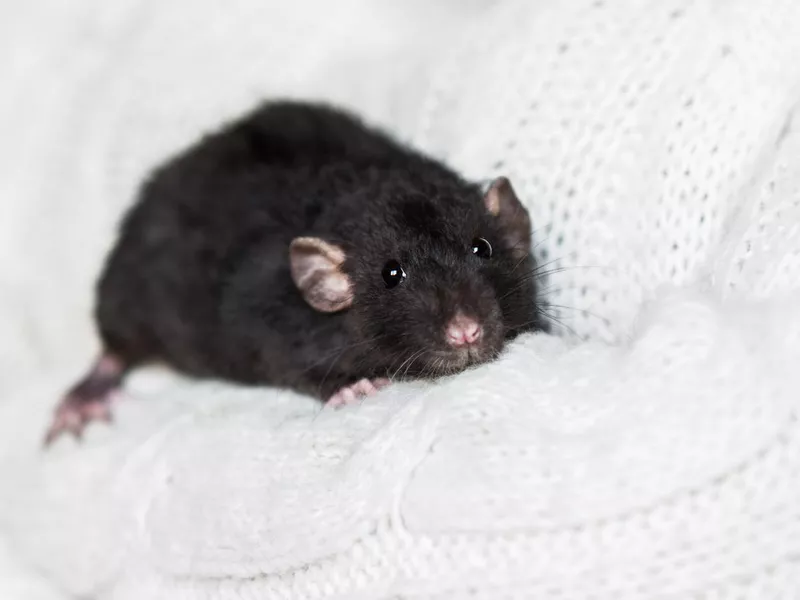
x=393, y=273
x=481, y=248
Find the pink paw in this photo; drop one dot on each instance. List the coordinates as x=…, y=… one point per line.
x=74, y=413
x=352, y=394
x=89, y=400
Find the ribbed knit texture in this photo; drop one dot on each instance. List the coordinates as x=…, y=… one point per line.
x=649, y=452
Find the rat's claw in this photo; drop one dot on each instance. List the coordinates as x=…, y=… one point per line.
x=63, y=421
x=363, y=387
x=343, y=397
x=353, y=393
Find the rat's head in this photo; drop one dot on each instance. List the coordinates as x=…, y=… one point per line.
x=434, y=279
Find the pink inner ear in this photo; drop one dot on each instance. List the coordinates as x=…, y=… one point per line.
x=494, y=195
x=501, y=201
x=492, y=202
x=337, y=291
x=308, y=265
x=309, y=255
x=316, y=271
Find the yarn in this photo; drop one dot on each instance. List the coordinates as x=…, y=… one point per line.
x=650, y=450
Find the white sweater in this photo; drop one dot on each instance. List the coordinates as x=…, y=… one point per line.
x=652, y=452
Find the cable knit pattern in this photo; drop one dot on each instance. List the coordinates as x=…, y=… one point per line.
x=651, y=451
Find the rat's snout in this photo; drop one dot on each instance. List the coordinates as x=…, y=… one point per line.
x=463, y=331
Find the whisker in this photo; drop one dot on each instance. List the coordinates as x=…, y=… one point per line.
x=521, y=325
x=412, y=357
x=340, y=350
x=542, y=274
x=412, y=362
x=537, y=274
x=583, y=310
x=559, y=322
x=519, y=262
x=338, y=355
x=400, y=355
x=539, y=243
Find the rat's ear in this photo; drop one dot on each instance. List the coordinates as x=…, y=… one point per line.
x=502, y=203
x=316, y=268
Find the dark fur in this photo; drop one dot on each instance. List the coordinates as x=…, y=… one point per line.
x=200, y=276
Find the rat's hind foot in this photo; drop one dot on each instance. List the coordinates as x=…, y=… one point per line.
x=353, y=393
x=73, y=414
x=89, y=400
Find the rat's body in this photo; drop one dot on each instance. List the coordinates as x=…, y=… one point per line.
x=206, y=276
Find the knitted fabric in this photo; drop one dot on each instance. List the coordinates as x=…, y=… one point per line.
x=650, y=450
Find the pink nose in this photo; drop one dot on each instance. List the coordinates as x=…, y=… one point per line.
x=462, y=330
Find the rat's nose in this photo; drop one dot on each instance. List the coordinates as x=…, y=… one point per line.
x=462, y=330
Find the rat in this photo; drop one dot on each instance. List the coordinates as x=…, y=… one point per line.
x=302, y=248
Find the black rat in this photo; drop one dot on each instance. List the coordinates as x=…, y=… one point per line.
x=301, y=248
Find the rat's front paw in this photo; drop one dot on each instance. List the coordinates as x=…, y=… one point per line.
x=352, y=394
